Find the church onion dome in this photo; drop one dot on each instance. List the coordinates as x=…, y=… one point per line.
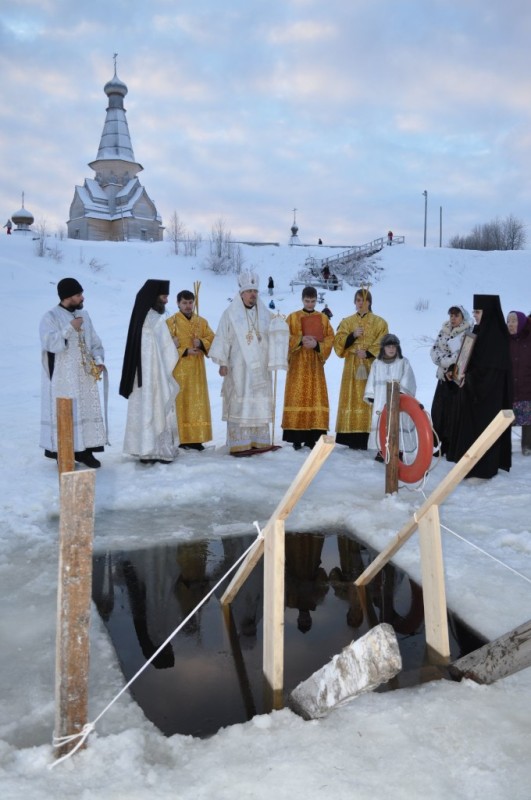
x=115, y=86
x=23, y=217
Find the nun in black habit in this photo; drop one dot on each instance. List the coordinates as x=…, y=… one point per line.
x=487, y=389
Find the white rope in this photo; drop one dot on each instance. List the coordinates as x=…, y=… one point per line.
x=90, y=726
x=485, y=553
x=437, y=452
x=479, y=549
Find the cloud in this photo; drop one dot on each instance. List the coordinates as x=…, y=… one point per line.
x=346, y=111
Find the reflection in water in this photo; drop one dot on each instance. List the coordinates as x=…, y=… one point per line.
x=192, y=583
x=210, y=674
x=306, y=581
x=136, y=591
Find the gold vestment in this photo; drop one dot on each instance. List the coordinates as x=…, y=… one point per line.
x=353, y=413
x=192, y=402
x=306, y=396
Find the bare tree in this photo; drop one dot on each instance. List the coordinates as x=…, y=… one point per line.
x=191, y=241
x=224, y=255
x=176, y=231
x=40, y=241
x=515, y=236
x=507, y=234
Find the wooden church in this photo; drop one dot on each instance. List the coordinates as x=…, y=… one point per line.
x=113, y=205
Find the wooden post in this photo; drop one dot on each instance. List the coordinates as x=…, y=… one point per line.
x=73, y=604
x=393, y=415
x=501, y=422
x=273, y=653
x=307, y=472
x=65, y=435
x=433, y=591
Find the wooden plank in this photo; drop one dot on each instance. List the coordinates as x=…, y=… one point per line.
x=393, y=416
x=274, y=562
x=433, y=590
x=65, y=435
x=501, y=421
x=506, y=655
x=306, y=474
x=76, y=529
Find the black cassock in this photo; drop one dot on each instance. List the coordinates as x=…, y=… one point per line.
x=486, y=391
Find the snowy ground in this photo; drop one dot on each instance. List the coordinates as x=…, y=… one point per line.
x=438, y=740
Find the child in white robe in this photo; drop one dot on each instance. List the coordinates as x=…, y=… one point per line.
x=390, y=366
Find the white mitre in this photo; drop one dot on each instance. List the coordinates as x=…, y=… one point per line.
x=248, y=280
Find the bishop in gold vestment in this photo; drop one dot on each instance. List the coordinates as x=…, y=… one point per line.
x=306, y=411
x=193, y=338
x=357, y=341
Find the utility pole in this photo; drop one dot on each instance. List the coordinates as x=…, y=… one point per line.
x=425, y=193
x=440, y=226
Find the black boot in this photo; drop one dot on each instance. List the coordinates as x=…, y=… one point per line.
x=87, y=458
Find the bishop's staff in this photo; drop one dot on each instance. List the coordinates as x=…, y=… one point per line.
x=362, y=373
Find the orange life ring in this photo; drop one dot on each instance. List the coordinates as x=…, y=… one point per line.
x=411, y=473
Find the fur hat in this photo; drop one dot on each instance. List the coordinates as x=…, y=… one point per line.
x=248, y=280
x=390, y=338
x=68, y=287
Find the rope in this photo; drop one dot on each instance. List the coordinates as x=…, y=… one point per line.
x=90, y=726
x=485, y=553
x=436, y=452
x=479, y=549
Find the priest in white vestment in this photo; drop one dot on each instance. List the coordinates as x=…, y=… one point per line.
x=72, y=364
x=242, y=348
x=147, y=381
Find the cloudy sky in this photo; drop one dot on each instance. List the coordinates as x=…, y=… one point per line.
x=246, y=109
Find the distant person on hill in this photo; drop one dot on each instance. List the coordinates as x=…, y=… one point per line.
x=444, y=354
x=320, y=241
x=390, y=238
x=147, y=378
x=306, y=409
x=270, y=285
x=242, y=349
x=193, y=338
x=357, y=340
x=325, y=272
x=519, y=327
x=327, y=311
x=389, y=366
x=72, y=361
x=8, y=225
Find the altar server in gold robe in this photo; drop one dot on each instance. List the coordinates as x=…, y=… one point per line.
x=193, y=337
x=306, y=411
x=357, y=341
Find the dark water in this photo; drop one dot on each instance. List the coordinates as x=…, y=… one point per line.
x=210, y=674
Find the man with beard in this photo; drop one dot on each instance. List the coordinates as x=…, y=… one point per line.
x=192, y=337
x=357, y=340
x=72, y=360
x=147, y=382
x=241, y=347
